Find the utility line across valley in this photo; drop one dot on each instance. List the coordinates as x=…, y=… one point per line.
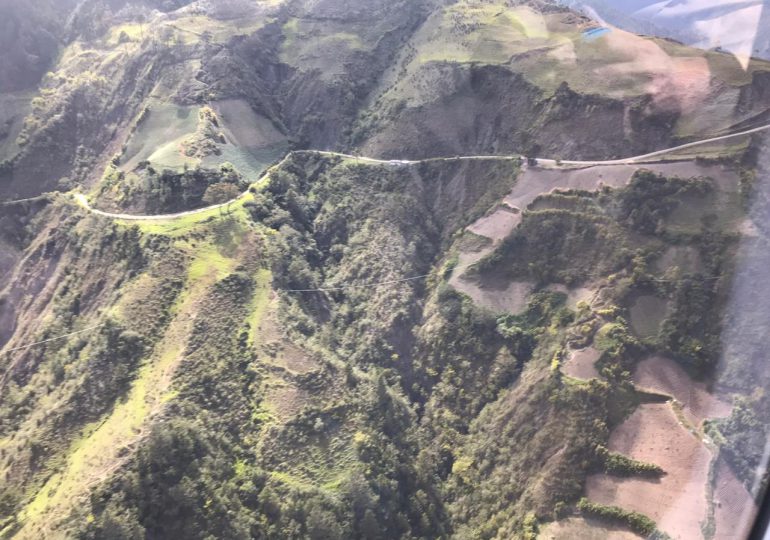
x=28, y=345
x=355, y=285
x=83, y=201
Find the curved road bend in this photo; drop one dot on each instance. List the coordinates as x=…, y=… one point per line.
x=82, y=200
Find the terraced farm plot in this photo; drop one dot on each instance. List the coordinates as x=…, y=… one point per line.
x=663, y=375
x=548, y=49
x=735, y=508
x=584, y=529
x=508, y=298
x=159, y=135
x=667, y=436
x=581, y=364
x=253, y=142
x=647, y=313
x=677, y=502
x=498, y=224
x=500, y=298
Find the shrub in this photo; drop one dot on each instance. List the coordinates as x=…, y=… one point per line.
x=620, y=465
x=639, y=523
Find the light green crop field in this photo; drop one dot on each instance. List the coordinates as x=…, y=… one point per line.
x=488, y=33
x=159, y=134
x=252, y=142
x=251, y=163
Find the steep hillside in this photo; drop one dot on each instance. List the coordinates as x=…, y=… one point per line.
x=406, y=79
x=214, y=326
x=138, y=69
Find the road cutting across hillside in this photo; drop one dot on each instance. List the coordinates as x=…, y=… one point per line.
x=82, y=200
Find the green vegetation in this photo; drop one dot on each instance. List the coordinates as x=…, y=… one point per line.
x=650, y=199
x=620, y=465
x=148, y=191
x=560, y=246
x=575, y=237
x=274, y=367
x=207, y=137
x=635, y=521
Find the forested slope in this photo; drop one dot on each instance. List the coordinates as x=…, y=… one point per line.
x=361, y=349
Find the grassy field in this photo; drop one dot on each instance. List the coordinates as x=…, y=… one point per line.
x=159, y=134
x=93, y=457
x=212, y=242
x=549, y=49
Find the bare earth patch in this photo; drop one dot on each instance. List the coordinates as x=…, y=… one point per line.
x=575, y=295
x=665, y=376
x=510, y=298
x=677, y=501
x=285, y=400
x=734, y=506
x=583, y=529
x=746, y=227
x=497, y=225
x=295, y=359
x=581, y=363
x=503, y=297
x=536, y=181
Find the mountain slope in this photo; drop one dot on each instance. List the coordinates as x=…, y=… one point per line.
x=372, y=349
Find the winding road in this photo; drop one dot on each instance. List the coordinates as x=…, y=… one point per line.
x=82, y=200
